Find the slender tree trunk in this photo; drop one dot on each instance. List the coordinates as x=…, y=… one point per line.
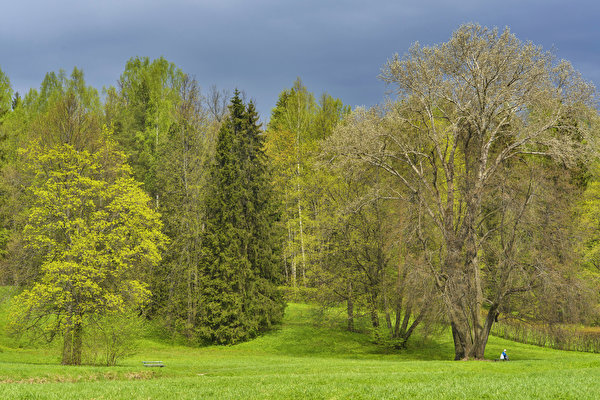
x=286, y=268
x=301, y=232
x=397, y=322
x=290, y=245
x=195, y=294
x=299, y=196
x=407, y=334
x=388, y=317
x=406, y=319
x=402, y=273
x=374, y=316
x=292, y=254
x=350, y=307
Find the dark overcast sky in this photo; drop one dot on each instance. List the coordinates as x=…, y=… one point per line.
x=262, y=46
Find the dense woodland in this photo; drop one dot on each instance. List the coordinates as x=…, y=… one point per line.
x=470, y=196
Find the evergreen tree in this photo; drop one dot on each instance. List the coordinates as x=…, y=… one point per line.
x=262, y=221
x=240, y=266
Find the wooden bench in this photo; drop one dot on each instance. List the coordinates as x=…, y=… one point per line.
x=153, y=364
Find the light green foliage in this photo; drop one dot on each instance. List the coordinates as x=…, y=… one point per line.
x=185, y=159
x=159, y=124
x=590, y=221
x=97, y=237
x=142, y=112
x=57, y=86
x=64, y=111
x=5, y=95
x=5, y=153
x=5, y=108
x=298, y=125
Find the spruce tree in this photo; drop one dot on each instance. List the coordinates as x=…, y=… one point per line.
x=262, y=221
x=239, y=267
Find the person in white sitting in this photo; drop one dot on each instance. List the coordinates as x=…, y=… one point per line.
x=504, y=356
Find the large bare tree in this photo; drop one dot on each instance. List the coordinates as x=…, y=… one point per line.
x=466, y=110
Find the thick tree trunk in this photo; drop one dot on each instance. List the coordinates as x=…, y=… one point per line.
x=463, y=291
x=469, y=334
x=459, y=342
x=72, y=345
x=402, y=273
x=479, y=346
x=397, y=323
x=374, y=312
x=455, y=291
x=374, y=318
x=471, y=339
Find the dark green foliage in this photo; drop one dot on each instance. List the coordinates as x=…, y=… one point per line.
x=240, y=264
x=17, y=101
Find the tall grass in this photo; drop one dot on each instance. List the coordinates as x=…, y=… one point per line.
x=558, y=337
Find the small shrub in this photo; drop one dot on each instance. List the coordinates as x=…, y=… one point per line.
x=112, y=337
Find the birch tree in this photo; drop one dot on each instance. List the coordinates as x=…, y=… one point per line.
x=183, y=176
x=298, y=124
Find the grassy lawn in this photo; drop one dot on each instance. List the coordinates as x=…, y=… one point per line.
x=304, y=361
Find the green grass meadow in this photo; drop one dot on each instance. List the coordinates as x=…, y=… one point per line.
x=302, y=360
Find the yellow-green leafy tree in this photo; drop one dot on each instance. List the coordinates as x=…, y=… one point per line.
x=298, y=125
x=97, y=237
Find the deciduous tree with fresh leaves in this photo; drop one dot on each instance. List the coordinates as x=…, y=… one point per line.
x=466, y=110
x=97, y=236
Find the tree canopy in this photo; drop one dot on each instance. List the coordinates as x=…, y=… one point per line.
x=468, y=111
x=467, y=199
x=96, y=237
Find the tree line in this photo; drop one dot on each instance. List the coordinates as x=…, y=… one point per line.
x=467, y=198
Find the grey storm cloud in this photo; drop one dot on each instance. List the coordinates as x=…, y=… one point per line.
x=262, y=46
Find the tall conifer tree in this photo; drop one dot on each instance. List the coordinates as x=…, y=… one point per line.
x=240, y=266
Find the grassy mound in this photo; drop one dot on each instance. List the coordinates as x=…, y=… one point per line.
x=304, y=360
